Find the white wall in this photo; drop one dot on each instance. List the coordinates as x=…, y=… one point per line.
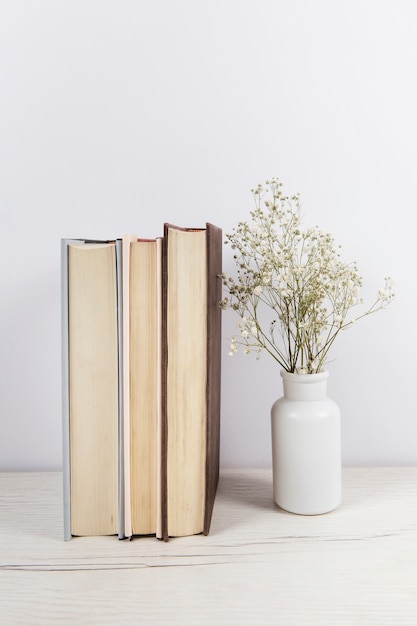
x=116, y=116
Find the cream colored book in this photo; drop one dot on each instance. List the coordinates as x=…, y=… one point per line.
x=93, y=388
x=145, y=385
x=191, y=378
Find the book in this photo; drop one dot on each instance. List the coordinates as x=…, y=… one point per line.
x=91, y=387
x=145, y=258
x=191, y=371
x=141, y=346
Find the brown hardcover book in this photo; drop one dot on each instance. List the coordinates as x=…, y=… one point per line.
x=93, y=389
x=191, y=369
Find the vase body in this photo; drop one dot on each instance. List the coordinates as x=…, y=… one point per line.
x=306, y=446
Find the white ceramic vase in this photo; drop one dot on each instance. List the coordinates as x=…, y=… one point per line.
x=306, y=446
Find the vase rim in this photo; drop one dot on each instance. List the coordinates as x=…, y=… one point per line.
x=305, y=378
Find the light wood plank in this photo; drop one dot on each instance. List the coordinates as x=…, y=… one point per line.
x=259, y=565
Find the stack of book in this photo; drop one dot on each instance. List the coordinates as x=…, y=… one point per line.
x=141, y=345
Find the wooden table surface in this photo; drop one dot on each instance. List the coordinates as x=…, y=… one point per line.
x=259, y=565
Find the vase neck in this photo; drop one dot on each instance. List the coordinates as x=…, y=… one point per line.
x=305, y=387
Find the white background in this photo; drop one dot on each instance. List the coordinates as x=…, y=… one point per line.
x=116, y=116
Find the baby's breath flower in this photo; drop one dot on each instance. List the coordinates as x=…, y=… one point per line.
x=298, y=276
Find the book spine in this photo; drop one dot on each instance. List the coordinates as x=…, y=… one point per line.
x=66, y=467
x=65, y=389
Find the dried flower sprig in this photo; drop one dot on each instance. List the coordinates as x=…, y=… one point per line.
x=292, y=291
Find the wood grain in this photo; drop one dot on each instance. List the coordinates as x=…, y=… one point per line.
x=259, y=565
